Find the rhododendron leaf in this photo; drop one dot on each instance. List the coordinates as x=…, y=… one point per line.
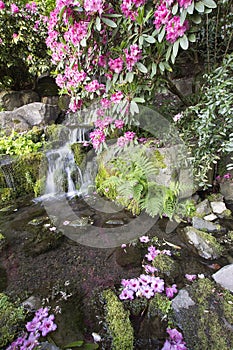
x=134, y=107
x=196, y=19
x=192, y=38
x=209, y=3
x=139, y=99
x=199, y=6
x=74, y=344
x=113, y=15
x=90, y=346
x=150, y=39
x=98, y=24
x=175, y=9
x=183, y=16
x=161, y=66
x=207, y=10
x=83, y=42
x=141, y=67
x=62, y=12
x=190, y=8
x=153, y=69
x=168, y=53
x=141, y=41
x=161, y=35
x=175, y=48
x=109, y=22
x=184, y=43
x=129, y=77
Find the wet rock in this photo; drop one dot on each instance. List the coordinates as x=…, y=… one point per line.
x=224, y=277
x=182, y=301
x=11, y=100
x=3, y=279
x=205, y=244
x=203, y=208
x=201, y=224
x=129, y=257
x=115, y=222
x=218, y=207
x=210, y=217
x=226, y=190
x=32, y=304
x=47, y=346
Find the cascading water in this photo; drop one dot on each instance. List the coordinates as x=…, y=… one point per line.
x=63, y=175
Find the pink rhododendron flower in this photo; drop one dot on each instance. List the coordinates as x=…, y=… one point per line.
x=116, y=65
x=129, y=135
x=105, y=103
x=175, y=29
x=119, y=124
x=92, y=86
x=2, y=5
x=14, y=9
x=97, y=137
x=227, y=176
x=184, y=3
x=92, y=6
x=117, y=97
x=161, y=15
x=121, y=141
x=32, y=7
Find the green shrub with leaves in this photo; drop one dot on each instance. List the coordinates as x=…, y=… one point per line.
x=23, y=54
x=207, y=128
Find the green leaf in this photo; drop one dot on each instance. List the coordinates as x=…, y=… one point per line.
x=83, y=42
x=161, y=66
x=184, y=43
x=161, y=35
x=98, y=24
x=138, y=99
x=62, y=12
x=209, y=3
x=153, y=69
x=150, y=39
x=190, y=8
x=168, y=53
x=199, y=6
x=196, y=19
x=141, y=41
x=175, y=48
x=109, y=22
x=175, y=9
x=90, y=346
x=74, y=344
x=129, y=77
x=134, y=107
x=141, y=67
x=113, y=15
x=192, y=38
x=183, y=16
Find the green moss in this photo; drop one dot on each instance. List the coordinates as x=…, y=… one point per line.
x=226, y=213
x=164, y=263
x=160, y=305
x=103, y=175
x=79, y=153
x=211, y=319
x=118, y=322
x=211, y=240
x=11, y=317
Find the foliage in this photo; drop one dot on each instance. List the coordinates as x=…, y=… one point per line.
x=21, y=143
x=82, y=345
x=11, y=317
x=117, y=50
x=118, y=322
x=131, y=182
x=207, y=127
x=23, y=52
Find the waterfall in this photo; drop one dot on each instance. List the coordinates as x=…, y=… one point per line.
x=7, y=170
x=63, y=175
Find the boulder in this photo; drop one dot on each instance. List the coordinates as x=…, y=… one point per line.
x=204, y=243
x=218, y=207
x=10, y=100
x=203, y=208
x=201, y=224
x=224, y=277
x=27, y=116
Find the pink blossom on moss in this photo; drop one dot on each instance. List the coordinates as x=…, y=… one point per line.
x=150, y=269
x=147, y=291
x=126, y=294
x=190, y=278
x=157, y=284
x=170, y=291
x=47, y=325
x=144, y=239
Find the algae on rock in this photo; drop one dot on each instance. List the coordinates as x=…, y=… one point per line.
x=118, y=322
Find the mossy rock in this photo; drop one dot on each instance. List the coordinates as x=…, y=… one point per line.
x=11, y=318
x=118, y=323
x=207, y=324
x=165, y=265
x=79, y=153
